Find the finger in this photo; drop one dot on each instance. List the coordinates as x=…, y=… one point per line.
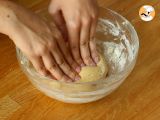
x=84, y=42
x=94, y=52
x=53, y=68
x=93, y=26
x=63, y=64
x=93, y=48
x=74, y=38
x=39, y=65
x=65, y=50
x=60, y=23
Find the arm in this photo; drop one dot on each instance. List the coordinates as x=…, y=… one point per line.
x=7, y=18
x=38, y=41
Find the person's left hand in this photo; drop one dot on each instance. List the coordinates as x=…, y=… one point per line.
x=77, y=20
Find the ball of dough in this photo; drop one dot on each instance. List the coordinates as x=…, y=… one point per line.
x=88, y=74
x=93, y=73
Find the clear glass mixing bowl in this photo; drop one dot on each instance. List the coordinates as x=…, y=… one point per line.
x=119, y=42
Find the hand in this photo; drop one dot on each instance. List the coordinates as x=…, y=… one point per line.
x=41, y=44
x=78, y=20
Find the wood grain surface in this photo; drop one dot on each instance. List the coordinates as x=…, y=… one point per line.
x=138, y=98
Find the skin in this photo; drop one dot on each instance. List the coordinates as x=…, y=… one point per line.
x=39, y=42
x=77, y=18
x=45, y=45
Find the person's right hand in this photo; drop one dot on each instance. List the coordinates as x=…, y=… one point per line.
x=44, y=46
x=77, y=21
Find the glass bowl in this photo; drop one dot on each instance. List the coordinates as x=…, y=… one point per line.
x=119, y=42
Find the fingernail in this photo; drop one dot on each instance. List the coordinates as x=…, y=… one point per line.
x=78, y=69
x=82, y=65
x=77, y=78
x=96, y=59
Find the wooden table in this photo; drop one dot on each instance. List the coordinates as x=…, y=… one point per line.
x=138, y=98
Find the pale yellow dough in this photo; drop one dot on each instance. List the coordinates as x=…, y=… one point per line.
x=90, y=73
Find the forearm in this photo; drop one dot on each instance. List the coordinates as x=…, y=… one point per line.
x=7, y=17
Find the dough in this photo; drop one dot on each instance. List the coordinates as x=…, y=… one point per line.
x=88, y=74
x=93, y=73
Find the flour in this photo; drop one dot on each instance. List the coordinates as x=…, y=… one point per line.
x=118, y=51
x=111, y=28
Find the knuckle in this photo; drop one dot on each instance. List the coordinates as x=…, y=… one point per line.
x=31, y=55
x=95, y=16
x=69, y=68
x=42, y=50
x=61, y=62
x=66, y=68
x=86, y=20
x=73, y=24
x=41, y=69
x=74, y=47
x=87, y=58
x=51, y=44
x=84, y=43
x=79, y=60
x=93, y=41
x=52, y=67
